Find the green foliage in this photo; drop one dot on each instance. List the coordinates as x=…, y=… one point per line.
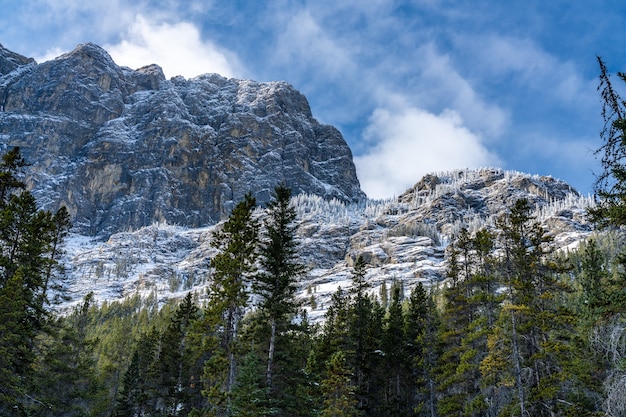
x=513, y=332
x=234, y=267
x=610, y=186
x=338, y=393
x=276, y=282
x=29, y=241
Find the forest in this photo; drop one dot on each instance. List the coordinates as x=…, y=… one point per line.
x=516, y=329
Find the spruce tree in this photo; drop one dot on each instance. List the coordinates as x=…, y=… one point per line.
x=337, y=390
x=539, y=325
x=420, y=333
x=610, y=185
x=277, y=281
x=400, y=381
x=234, y=267
x=29, y=238
x=174, y=362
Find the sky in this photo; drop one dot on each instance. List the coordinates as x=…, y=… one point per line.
x=415, y=87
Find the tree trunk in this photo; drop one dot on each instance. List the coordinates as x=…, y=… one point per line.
x=270, y=355
x=232, y=365
x=517, y=364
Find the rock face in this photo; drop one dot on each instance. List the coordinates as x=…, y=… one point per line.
x=401, y=240
x=125, y=148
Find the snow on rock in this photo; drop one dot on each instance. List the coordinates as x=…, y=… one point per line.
x=402, y=240
x=123, y=148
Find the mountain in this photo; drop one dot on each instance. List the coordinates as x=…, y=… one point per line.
x=148, y=167
x=125, y=148
x=403, y=239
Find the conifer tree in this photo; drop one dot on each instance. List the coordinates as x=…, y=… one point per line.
x=249, y=396
x=338, y=392
x=539, y=325
x=420, y=333
x=610, y=185
x=173, y=364
x=456, y=318
x=234, y=267
x=361, y=348
x=63, y=381
x=27, y=241
x=399, y=384
x=276, y=283
x=610, y=211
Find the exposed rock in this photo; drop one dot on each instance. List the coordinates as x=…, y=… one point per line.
x=10, y=61
x=124, y=148
x=402, y=240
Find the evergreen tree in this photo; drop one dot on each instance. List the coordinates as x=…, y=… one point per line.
x=539, y=328
x=456, y=318
x=173, y=363
x=28, y=241
x=276, y=283
x=234, y=267
x=337, y=390
x=336, y=327
x=249, y=395
x=420, y=333
x=63, y=380
x=610, y=185
x=610, y=210
x=398, y=384
x=360, y=347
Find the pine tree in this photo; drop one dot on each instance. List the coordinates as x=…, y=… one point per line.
x=398, y=384
x=360, y=346
x=28, y=241
x=420, y=333
x=610, y=185
x=456, y=319
x=63, y=380
x=338, y=393
x=249, y=395
x=174, y=362
x=539, y=328
x=276, y=283
x=234, y=267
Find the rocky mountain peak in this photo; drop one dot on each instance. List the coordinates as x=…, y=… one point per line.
x=124, y=148
x=10, y=61
x=402, y=239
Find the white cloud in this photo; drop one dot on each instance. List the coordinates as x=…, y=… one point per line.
x=178, y=48
x=305, y=43
x=413, y=142
x=441, y=85
x=523, y=61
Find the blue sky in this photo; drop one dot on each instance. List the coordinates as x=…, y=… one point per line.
x=414, y=86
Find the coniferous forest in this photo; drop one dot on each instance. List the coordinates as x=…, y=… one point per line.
x=516, y=329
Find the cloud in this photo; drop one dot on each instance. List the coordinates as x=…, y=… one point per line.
x=305, y=43
x=523, y=65
x=178, y=48
x=441, y=85
x=413, y=142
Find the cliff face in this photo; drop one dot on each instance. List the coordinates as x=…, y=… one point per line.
x=125, y=148
x=402, y=240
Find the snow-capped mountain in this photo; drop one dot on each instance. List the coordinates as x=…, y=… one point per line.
x=123, y=148
x=402, y=239
x=148, y=167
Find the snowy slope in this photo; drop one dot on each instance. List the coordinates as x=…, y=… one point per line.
x=403, y=239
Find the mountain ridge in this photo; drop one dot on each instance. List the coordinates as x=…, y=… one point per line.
x=148, y=167
x=401, y=239
x=124, y=148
